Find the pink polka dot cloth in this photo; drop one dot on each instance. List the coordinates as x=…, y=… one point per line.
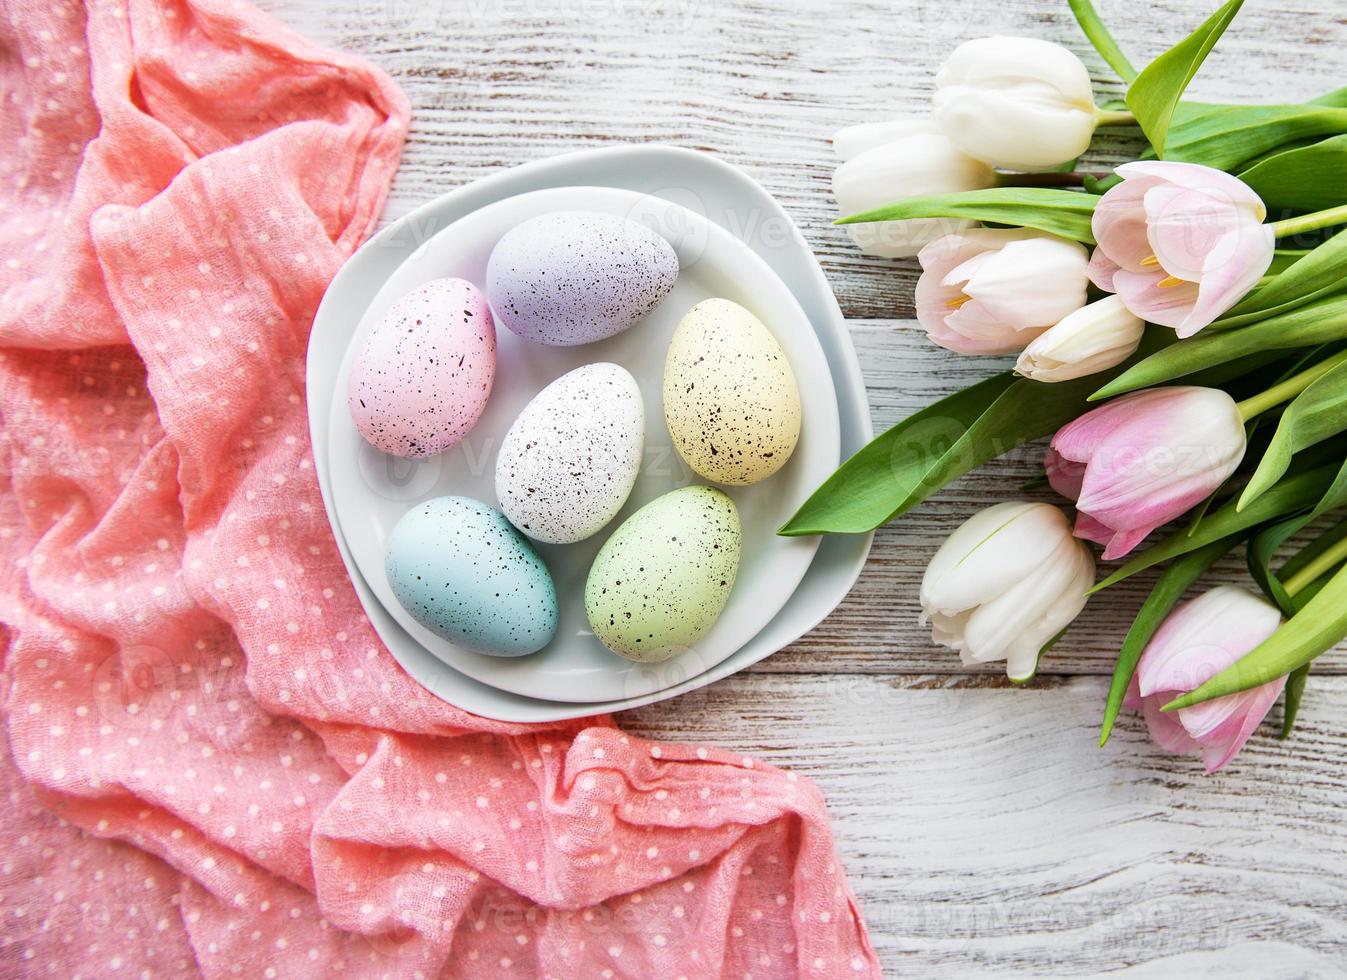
x=212, y=765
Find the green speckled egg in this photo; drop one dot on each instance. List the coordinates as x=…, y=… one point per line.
x=663, y=578
x=730, y=397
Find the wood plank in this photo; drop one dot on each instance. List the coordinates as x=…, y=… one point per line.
x=985, y=831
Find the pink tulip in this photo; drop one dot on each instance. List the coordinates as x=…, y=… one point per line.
x=1198, y=640
x=1179, y=242
x=1141, y=460
x=993, y=290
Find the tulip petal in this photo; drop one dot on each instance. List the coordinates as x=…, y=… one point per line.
x=1020, y=611
x=1123, y=541
x=1232, y=270
x=1166, y=730
x=855, y=140
x=1195, y=176
x=1142, y=293
x=1148, y=457
x=1204, y=636
x=992, y=556
x=962, y=544
x=1119, y=223
x=1183, y=226
x=1101, y=270
x=1030, y=284
x=1088, y=529
x=921, y=163
x=1223, y=743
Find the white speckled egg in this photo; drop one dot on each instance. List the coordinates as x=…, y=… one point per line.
x=570, y=458
x=730, y=398
x=660, y=582
x=574, y=277
x=459, y=568
x=419, y=382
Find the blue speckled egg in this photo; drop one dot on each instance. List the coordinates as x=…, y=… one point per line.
x=660, y=582
x=574, y=277
x=463, y=572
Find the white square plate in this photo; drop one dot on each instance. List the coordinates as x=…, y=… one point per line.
x=705, y=186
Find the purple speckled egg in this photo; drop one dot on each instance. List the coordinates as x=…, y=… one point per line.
x=574, y=277
x=421, y=379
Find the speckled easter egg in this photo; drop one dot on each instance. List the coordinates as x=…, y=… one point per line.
x=421, y=379
x=663, y=578
x=463, y=572
x=730, y=398
x=574, y=277
x=570, y=458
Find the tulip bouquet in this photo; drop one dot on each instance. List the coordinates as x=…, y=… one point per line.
x=1180, y=329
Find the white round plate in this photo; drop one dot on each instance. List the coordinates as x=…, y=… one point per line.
x=371, y=491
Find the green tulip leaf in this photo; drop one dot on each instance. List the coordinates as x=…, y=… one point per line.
x=1093, y=27
x=1174, y=581
x=903, y=466
x=1317, y=627
x=1318, y=412
x=1060, y=212
x=1263, y=547
x=1293, y=494
x=900, y=466
x=1229, y=137
x=1295, y=690
x=1305, y=326
x=1334, y=497
x=1316, y=274
x=1304, y=178
x=1155, y=93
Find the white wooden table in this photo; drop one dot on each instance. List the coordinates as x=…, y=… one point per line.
x=982, y=828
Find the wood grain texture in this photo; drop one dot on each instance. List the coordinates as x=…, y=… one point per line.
x=985, y=834
x=983, y=830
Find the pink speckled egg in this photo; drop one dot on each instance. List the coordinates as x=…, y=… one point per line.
x=421, y=379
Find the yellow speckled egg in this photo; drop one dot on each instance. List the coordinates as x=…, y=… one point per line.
x=663, y=578
x=730, y=397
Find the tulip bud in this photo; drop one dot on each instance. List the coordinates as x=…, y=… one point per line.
x=1007, y=581
x=885, y=162
x=1179, y=242
x=1141, y=460
x=1198, y=640
x=991, y=290
x=1016, y=102
x=1092, y=339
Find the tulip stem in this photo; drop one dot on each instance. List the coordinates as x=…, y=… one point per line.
x=1056, y=178
x=1310, y=222
x=1288, y=389
x=1114, y=117
x=1316, y=569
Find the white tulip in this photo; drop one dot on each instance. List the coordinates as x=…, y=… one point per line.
x=993, y=290
x=885, y=162
x=1015, y=102
x=1092, y=339
x=1005, y=583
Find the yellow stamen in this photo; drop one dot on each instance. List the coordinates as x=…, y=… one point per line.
x=954, y=304
x=1149, y=262
x=1169, y=281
